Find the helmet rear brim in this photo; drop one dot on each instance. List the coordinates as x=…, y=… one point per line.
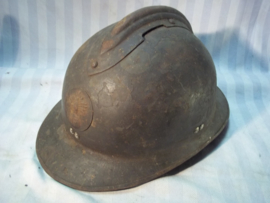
x=76, y=166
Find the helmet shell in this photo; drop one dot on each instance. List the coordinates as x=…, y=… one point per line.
x=139, y=98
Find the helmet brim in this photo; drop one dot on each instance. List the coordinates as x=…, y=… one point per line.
x=76, y=166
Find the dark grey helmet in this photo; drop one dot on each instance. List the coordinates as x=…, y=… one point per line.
x=139, y=98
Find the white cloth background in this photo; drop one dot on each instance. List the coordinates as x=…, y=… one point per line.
x=37, y=41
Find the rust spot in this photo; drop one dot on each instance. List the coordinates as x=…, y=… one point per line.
x=48, y=132
x=170, y=77
x=119, y=129
x=143, y=142
x=93, y=124
x=65, y=170
x=78, y=109
x=106, y=45
x=92, y=177
x=118, y=26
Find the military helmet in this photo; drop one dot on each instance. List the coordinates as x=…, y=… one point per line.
x=139, y=98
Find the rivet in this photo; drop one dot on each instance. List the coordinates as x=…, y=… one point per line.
x=94, y=64
x=71, y=131
x=172, y=21
x=201, y=127
x=76, y=135
x=197, y=130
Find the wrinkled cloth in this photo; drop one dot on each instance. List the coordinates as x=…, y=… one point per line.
x=37, y=41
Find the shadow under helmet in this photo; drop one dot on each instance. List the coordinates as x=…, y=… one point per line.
x=139, y=98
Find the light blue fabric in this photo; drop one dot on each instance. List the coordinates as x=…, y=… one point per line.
x=37, y=41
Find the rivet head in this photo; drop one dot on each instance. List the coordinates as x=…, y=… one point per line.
x=197, y=130
x=201, y=126
x=94, y=64
x=172, y=21
x=76, y=135
x=71, y=131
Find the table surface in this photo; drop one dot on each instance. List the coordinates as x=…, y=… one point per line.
x=37, y=41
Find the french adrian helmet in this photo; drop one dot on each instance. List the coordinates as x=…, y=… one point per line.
x=139, y=98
